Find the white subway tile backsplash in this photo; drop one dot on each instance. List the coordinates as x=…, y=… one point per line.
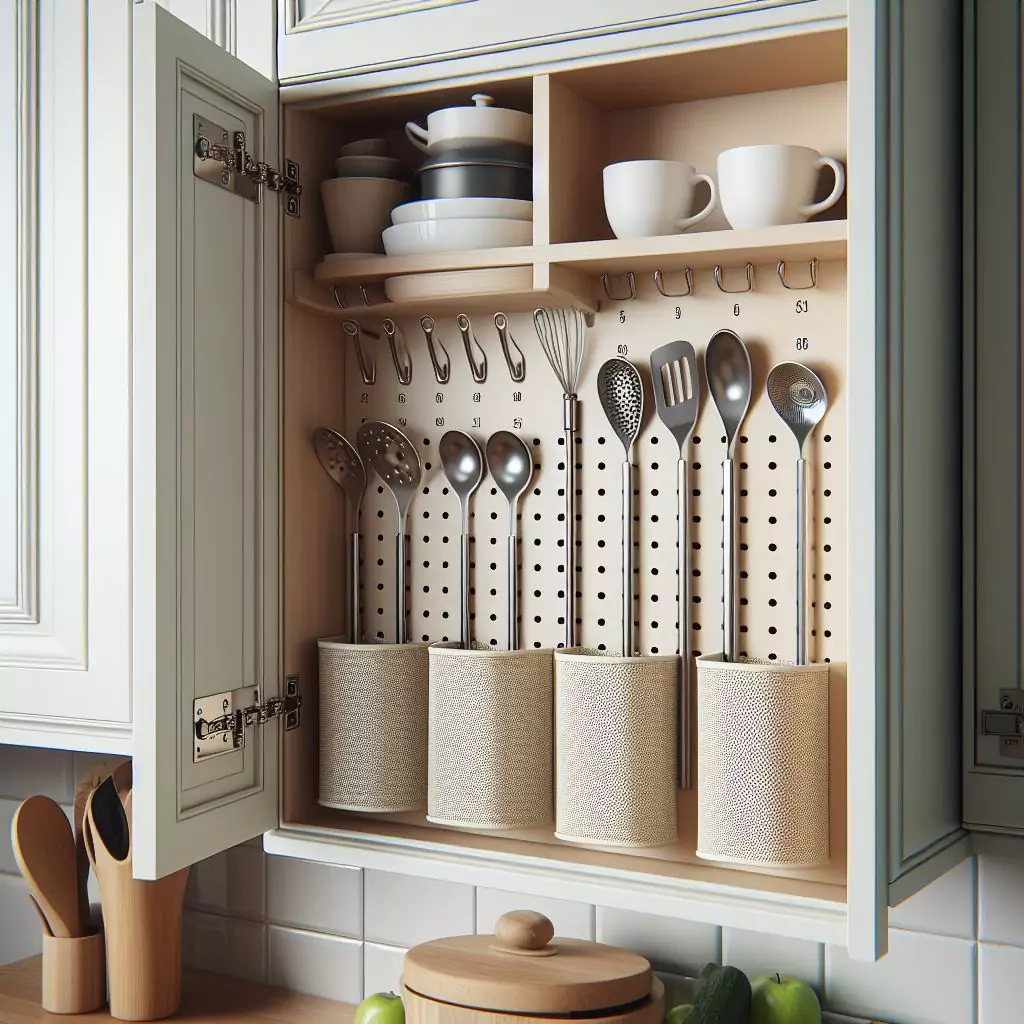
x=21, y=934
x=671, y=944
x=1000, y=970
x=946, y=907
x=26, y=771
x=571, y=920
x=1001, y=900
x=924, y=979
x=402, y=910
x=225, y=945
x=317, y=897
x=382, y=968
x=229, y=883
x=8, y=865
x=318, y=965
x=755, y=953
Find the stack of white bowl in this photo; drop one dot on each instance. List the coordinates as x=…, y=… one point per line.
x=359, y=200
x=448, y=225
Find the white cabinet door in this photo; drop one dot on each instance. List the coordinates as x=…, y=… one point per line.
x=205, y=449
x=65, y=362
x=375, y=43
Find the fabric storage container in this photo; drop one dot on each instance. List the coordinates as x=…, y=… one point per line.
x=762, y=763
x=616, y=740
x=373, y=726
x=490, y=757
x=518, y=976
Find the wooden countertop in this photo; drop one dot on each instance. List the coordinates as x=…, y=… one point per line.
x=210, y=998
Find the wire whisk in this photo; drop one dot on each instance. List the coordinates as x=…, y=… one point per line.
x=563, y=337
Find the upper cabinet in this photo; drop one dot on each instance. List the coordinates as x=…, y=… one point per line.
x=248, y=30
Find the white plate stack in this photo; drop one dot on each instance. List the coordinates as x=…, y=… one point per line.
x=358, y=202
x=448, y=225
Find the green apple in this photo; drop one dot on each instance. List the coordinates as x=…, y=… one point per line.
x=678, y=1013
x=777, y=999
x=381, y=1008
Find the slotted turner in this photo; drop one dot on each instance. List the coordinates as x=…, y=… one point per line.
x=677, y=396
x=393, y=457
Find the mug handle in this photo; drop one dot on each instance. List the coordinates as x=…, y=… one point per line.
x=687, y=222
x=837, y=190
x=417, y=136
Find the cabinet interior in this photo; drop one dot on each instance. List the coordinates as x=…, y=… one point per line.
x=687, y=106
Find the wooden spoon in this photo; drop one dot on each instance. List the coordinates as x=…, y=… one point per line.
x=44, y=847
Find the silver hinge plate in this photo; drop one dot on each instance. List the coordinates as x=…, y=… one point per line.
x=221, y=719
x=220, y=157
x=1007, y=723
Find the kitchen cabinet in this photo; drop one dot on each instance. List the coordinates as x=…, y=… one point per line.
x=248, y=30
x=237, y=545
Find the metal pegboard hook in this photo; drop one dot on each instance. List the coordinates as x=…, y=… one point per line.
x=368, y=373
x=735, y=291
x=812, y=268
x=396, y=341
x=659, y=283
x=516, y=364
x=468, y=341
x=339, y=297
x=630, y=279
x=442, y=372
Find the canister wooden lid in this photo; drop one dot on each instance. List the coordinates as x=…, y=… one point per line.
x=520, y=970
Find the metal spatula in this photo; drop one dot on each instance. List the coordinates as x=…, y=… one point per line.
x=394, y=459
x=677, y=396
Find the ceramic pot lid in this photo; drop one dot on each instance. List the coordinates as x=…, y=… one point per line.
x=520, y=970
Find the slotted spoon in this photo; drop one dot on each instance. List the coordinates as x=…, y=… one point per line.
x=394, y=459
x=622, y=397
x=799, y=397
x=342, y=464
x=677, y=397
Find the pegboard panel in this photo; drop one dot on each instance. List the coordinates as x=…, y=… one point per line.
x=775, y=323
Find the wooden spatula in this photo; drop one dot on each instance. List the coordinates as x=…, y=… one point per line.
x=44, y=847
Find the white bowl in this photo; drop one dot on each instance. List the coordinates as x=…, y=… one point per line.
x=453, y=234
x=364, y=147
x=368, y=167
x=443, y=209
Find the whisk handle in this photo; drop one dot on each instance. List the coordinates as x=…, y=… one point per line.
x=570, y=419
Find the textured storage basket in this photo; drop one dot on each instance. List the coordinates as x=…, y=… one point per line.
x=373, y=726
x=616, y=740
x=490, y=760
x=762, y=763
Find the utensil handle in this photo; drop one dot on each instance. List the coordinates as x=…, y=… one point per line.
x=353, y=593
x=570, y=413
x=801, y=562
x=627, y=558
x=400, y=626
x=730, y=562
x=513, y=592
x=685, y=699
x=464, y=590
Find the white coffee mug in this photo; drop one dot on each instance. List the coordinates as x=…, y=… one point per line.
x=762, y=186
x=653, y=197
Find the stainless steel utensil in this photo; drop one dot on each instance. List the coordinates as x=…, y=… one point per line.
x=622, y=397
x=799, y=397
x=341, y=462
x=395, y=460
x=511, y=466
x=677, y=397
x=727, y=364
x=463, y=465
x=563, y=337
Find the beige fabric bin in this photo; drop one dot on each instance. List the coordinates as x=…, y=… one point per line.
x=616, y=740
x=762, y=763
x=490, y=757
x=373, y=726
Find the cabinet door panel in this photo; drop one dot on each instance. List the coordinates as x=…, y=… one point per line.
x=206, y=461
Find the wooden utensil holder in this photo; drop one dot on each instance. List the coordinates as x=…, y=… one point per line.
x=74, y=977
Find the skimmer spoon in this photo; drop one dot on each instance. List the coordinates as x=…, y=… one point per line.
x=799, y=397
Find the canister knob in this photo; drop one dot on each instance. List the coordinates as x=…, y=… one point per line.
x=524, y=933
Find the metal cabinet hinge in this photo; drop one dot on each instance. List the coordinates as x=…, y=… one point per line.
x=1007, y=723
x=220, y=157
x=221, y=719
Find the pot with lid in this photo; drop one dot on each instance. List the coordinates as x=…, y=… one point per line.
x=519, y=973
x=497, y=172
x=483, y=125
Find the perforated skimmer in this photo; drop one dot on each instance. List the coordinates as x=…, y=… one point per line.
x=622, y=397
x=394, y=459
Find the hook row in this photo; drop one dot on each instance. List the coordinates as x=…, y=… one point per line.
x=628, y=292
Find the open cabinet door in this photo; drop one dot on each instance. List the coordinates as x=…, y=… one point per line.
x=205, y=448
